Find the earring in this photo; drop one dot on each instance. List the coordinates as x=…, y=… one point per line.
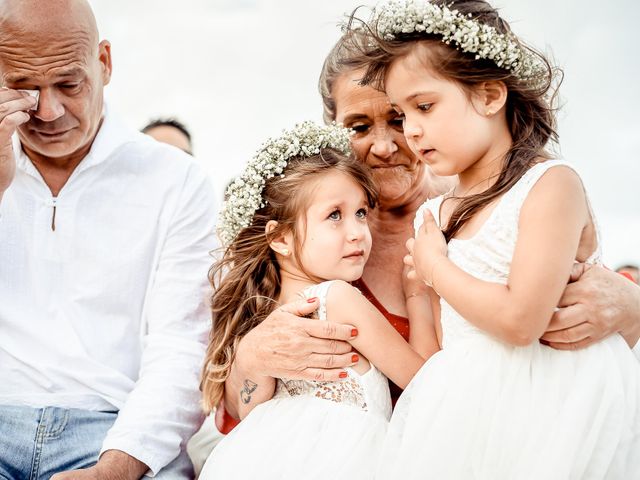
x=285, y=252
x=489, y=113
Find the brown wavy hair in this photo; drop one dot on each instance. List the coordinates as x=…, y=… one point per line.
x=530, y=105
x=246, y=281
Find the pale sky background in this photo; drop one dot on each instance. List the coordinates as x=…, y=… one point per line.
x=239, y=71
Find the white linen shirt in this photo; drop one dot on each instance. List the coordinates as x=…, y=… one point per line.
x=103, y=306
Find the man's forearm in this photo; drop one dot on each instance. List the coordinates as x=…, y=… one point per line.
x=246, y=386
x=118, y=465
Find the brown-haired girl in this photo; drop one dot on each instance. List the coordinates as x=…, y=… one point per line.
x=295, y=223
x=495, y=403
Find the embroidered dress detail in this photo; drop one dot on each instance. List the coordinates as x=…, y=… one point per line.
x=346, y=421
x=349, y=390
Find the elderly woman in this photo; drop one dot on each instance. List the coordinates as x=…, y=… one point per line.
x=597, y=303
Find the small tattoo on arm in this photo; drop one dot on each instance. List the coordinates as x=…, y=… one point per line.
x=247, y=390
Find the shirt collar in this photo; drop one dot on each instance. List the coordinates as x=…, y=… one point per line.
x=112, y=134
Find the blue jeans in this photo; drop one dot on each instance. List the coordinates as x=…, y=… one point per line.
x=36, y=443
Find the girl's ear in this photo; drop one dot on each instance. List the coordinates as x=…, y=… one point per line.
x=280, y=243
x=492, y=96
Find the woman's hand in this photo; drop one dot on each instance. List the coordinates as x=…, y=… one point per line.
x=596, y=304
x=286, y=345
x=426, y=250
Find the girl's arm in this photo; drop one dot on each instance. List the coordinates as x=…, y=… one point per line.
x=377, y=340
x=422, y=328
x=551, y=224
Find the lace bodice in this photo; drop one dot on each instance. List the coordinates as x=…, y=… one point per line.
x=368, y=392
x=487, y=255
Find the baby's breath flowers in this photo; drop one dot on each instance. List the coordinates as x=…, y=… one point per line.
x=244, y=195
x=397, y=17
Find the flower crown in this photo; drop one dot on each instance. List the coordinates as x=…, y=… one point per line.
x=244, y=195
x=396, y=17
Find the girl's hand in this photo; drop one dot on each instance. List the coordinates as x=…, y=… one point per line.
x=412, y=286
x=428, y=248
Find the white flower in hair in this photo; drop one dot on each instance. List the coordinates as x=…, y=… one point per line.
x=244, y=195
x=396, y=17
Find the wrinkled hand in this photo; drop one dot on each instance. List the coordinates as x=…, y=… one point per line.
x=427, y=249
x=596, y=304
x=13, y=113
x=113, y=465
x=285, y=345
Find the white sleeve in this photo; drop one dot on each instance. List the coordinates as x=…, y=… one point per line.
x=164, y=409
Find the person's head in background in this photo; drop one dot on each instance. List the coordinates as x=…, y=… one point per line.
x=170, y=131
x=630, y=271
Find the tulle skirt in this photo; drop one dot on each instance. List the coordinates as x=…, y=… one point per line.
x=300, y=438
x=481, y=409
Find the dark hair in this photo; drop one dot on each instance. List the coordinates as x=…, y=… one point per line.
x=167, y=122
x=246, y=281
x=530, y=105
x=628, y=266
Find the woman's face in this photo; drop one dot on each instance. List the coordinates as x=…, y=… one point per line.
x=379, y=140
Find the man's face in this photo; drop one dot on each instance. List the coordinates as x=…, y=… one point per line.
x=70, y=72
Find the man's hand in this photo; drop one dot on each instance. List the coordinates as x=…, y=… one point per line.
x=596, y=304
x=113, y=465
x=285, y=345
x=13, y=112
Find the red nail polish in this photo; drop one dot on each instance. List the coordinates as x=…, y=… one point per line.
x=312, y=299
x=354, y=332
x=354, y=358
x=343, y=375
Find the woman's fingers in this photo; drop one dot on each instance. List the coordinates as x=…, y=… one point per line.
x=569, y=335
x=330, y=330
x=329, y=362
x=322, y=374
x=323, y=346
x=300, y=308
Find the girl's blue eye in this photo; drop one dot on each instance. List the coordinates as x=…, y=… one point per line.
x=362, y=213
x=335, y=215
x=425, y=107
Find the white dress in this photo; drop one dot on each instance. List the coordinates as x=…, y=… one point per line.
x=309, y=430
x=484, y=410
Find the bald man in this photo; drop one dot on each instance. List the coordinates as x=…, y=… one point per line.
x=103, y=265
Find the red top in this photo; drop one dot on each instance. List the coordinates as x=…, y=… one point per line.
x=401, y=324
x=225, y=422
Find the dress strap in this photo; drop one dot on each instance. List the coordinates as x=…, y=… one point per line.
x=518, y=194
x=320, y=290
